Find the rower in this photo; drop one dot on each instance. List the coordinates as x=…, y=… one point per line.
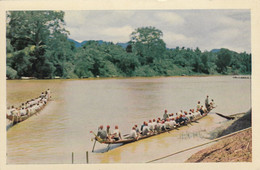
x=150, y=125
x=185, y=116
x=163, y=127
x=146, y=130
x=102, y=133
x=142, y=126
x=198, y=105
x=167, y=124
x=133, y=134
x=48, y=94
x=182, y=120
x=116, y=134
x=137, y=130
x=22, y=112
x=154, y=124
x=172, y=123
x=42, y=95
x=180, y=113
x=8, y=111
x=197, y=113
x=212, y=104
x=158, y=126
x=108, y=132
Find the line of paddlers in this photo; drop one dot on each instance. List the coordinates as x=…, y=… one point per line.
x=28, y=108
x=154, y=126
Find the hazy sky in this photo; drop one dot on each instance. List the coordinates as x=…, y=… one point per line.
x=206, y=29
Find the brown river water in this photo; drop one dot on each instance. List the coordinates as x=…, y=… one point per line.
x=79, y=106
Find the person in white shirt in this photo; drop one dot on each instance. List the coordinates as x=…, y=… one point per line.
x=154, y=124
x=146, y=129
x=22, y=112
x=133, y=134
x=8, y=111
x=158, y=126
x=150, y=125
x=116, y=134
x=48, y=94
x=212, y=104
x=167, y=123
x=180, y=113
x=172, y=123
x=197, y=113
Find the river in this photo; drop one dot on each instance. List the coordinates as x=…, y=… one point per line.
x=79, y=106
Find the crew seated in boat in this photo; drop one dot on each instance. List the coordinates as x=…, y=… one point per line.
x=146, y=129
x=42, y=95
x=9, y=111
x=163, y=127
x=22, y=112
x=191, y=115
x=150, y=125
x=185, y=116
x=137, y=130
x=197, y=113
x=180, y=120
x=198, y=105
x=212, y=104
x=116, y=134
x=102, y=133
x=133, y=134
x=180, y=113
x=201, y=110
x=109, y=134
x=158, y=126
x=142, y=126
x=154, y=124
x=167, y=124
x=172, y=123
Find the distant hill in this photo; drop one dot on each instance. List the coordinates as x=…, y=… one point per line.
x=215, y=50
x=124, y=45
x=78, y=44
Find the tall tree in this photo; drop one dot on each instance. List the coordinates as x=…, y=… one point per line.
x=147, y=43
x=35, y=29
x=223, y=60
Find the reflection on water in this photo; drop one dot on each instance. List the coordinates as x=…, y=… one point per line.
x=80, y=106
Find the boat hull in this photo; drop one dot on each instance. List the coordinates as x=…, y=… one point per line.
x=126, y=141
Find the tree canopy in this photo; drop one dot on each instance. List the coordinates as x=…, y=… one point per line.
x=38, y=46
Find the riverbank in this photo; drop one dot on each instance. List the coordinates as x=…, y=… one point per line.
x=236, y=148
x=242, y=76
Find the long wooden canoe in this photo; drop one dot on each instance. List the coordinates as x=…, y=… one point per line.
x=125, y=141
x=17, y=119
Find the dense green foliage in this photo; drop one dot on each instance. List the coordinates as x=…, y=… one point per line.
x=38, y=46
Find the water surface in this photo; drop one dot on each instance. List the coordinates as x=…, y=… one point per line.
x=79, y=106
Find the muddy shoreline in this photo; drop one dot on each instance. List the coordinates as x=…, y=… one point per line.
x=236, y=148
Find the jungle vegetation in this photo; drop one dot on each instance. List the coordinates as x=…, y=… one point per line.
x=37, y=46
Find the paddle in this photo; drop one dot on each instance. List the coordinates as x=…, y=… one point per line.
x=95, y=140
x=224, y=116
